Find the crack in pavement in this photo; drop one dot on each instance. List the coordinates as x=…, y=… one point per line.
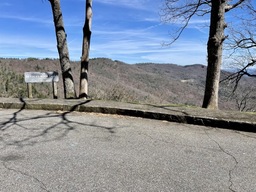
x=41, y=184
x=230, y=155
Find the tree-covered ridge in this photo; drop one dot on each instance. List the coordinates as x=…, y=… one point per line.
x=141, y=83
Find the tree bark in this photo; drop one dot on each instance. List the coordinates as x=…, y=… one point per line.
x=214, y=49
x=68, y=82
x=85, y=50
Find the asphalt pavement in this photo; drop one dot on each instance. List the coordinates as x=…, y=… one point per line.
x=56, y=150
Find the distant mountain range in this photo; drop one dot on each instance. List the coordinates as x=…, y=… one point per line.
x=141, y=83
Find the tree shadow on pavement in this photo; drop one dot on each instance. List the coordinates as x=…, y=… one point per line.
x=23, y=129
x=13, y=119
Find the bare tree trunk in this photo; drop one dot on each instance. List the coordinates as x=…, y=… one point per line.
x=68, y=82
x=85, y=51
x=214, y=49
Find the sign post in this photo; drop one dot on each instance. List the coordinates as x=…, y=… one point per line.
x=39, y=77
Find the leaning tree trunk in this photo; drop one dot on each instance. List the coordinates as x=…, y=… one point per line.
x=214, y=49
x=68, y=82
x=85, y=51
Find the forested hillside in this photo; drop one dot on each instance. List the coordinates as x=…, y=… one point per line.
x=139, y=83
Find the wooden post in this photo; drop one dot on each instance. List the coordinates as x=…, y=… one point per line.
x=55, y=90
x=29, y=85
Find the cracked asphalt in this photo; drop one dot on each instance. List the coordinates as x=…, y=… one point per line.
x=73, y=151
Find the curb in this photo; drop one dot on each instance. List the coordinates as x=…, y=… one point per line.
x=172, y=117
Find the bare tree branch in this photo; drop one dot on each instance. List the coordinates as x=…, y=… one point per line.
x=230, y=7
x=236, y=77
x=176, y=11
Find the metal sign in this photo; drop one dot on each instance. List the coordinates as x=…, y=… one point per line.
x=39, y=77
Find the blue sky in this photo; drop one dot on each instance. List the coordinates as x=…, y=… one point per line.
x=125, y=30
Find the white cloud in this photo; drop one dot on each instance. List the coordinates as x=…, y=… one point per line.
x=68, y=22
x=135, y=4
x=131, y=50
x=24, y=46
x=145, y=46
x=152, y=19
x=127, y=33
x=181, y=54
x=27, y=19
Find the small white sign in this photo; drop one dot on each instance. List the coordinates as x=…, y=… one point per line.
x=39, y=77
